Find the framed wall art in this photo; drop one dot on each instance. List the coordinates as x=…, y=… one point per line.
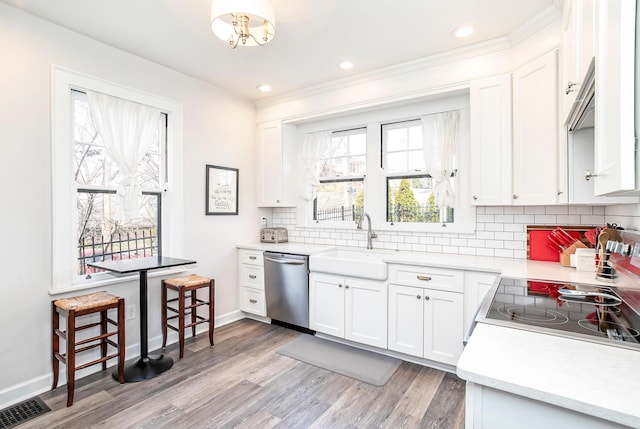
x=222, y=190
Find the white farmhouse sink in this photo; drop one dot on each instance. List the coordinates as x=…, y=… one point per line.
x=355, y=263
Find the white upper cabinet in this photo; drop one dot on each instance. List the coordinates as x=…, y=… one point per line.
x=535, y=131
x=269, y=176
x=615, y=156
x=490, y=105
x=578, y=48
x=275, y=181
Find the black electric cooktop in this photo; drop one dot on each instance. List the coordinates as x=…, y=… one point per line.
x=602, y=314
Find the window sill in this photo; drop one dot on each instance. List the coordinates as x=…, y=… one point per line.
x=115, y=280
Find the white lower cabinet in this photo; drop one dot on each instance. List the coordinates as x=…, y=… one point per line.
x=350, y=308
x=426, y=311
x=251, y=279
x=476, y=286
x=425, y=323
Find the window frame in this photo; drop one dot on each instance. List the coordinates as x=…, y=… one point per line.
x=375, y=183
x=64, y=188
x=343, y=179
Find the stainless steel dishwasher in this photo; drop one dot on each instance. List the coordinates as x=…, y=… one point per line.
x=286, y=282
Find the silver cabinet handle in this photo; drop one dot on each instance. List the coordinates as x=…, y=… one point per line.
x=424, y=278
x=346, y=286
x=588, y=175
x=253, y=301
x=251, y=276
x=418, y=296
x=426, y=298
x=252, y=257
x=515, y=197
x=339, y=285
x=475, y=197
x=570, y=86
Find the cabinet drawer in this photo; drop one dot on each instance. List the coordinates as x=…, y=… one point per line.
x=427, y=277
x=252, y=276
x=252, y=301
x=253, y=257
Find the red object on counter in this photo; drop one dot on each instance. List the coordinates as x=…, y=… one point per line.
x=538, y=248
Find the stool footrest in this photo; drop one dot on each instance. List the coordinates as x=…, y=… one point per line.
x=93, y=362
x=97, y=337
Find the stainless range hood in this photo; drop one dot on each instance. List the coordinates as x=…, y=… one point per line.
x=582, y=113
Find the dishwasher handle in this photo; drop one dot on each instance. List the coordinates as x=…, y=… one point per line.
x=284, y=261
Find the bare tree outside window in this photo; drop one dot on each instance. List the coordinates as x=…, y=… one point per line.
x=342, y=165
x=100, y=235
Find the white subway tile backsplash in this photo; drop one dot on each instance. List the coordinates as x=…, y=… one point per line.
x=534, y=210
x=500, y=231
x=544, y=219
x=494, y=210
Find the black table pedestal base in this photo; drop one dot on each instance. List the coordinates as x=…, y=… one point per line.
x=145, y=368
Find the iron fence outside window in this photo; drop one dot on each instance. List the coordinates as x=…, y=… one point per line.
x=127, y=245
x=427, y=213
x=338, y=213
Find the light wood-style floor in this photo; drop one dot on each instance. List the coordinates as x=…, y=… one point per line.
x=242, y=382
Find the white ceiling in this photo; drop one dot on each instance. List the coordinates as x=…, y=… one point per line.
x=312, y=36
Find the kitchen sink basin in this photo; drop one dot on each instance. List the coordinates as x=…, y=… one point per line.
x=355, y=263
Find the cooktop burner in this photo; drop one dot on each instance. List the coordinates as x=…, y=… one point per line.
x=595, y=313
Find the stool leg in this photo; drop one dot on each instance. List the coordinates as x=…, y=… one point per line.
x=212, y=289
x=121, y=340
x=71, y=355
x=181, y=320
x=103, y=341
x=55, y=344
x=164, y=313
x=193, y=312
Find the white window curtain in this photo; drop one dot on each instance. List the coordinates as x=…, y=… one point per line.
x=127, y=130
x=313, y=146
x=440, y=135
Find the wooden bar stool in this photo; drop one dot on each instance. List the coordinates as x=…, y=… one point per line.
x=183, y=285
x=71, y=308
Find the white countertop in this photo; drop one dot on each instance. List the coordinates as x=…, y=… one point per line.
x=506, y=267
x=594, y=379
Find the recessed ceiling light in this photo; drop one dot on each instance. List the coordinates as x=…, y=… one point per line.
x=264, y=88
x=463, y=31
x=346, y=65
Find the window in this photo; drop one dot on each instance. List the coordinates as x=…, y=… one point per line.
x=409, y=196
x=100, y=234
x=398, y=163
x=341, y=167
x=85, y=181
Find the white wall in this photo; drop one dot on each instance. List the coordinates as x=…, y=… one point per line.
x=218, y=129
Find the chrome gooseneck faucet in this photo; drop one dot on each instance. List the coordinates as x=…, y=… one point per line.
x=370, y=234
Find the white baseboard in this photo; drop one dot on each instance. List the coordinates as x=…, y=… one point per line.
x=37, y=385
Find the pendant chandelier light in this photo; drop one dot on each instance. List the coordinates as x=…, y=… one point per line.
x=243, y=22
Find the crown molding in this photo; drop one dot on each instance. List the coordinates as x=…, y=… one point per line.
x=544, y=18
x=465, y=52
x=535, y=24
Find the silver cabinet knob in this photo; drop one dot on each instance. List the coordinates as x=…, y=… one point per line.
x=515, y=197
x=426, y=298
x=339, y=285
x=588, y=175
x=346, y=286
x=475, y=197
x=418, y=296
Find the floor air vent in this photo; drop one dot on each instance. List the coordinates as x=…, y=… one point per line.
x=17, y=414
